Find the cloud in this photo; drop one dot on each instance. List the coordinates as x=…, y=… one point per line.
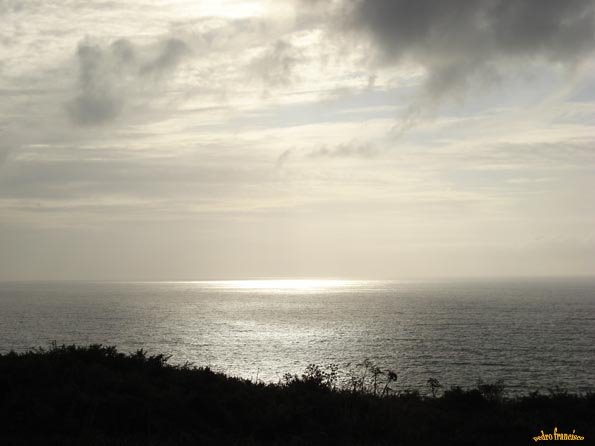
x=282, y=159
x=108, y=76
x=162, y=135
x=456, y=40
x=171, y=53
x=352, y=149
x=99, y=100
x=4, y=151
x=275, y=67
x=348, y=150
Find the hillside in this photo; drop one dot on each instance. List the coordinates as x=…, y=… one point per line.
x=96, y=395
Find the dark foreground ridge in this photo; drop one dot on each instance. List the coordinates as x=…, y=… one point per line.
x=97, y=396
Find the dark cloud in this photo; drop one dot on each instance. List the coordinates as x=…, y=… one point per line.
x=456, y=40
x=108, y=75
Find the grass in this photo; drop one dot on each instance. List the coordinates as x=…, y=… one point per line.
x=95, y=395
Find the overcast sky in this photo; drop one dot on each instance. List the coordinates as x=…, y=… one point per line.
x=183, y=139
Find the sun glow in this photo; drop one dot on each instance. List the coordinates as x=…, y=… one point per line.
x=232, y=9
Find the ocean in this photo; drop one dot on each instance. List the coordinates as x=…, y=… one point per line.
x=532, y=334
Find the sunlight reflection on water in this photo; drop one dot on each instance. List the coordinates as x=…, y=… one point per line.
x=283, y=285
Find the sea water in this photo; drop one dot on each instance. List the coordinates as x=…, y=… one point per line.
x=532, y=334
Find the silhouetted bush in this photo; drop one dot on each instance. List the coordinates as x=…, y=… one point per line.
x=434, y=386
x=68, y=395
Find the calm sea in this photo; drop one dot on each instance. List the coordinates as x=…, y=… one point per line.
x=532, y=334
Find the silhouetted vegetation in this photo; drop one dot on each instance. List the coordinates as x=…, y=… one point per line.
x=95, y=395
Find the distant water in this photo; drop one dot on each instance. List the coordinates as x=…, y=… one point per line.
x=531, y=334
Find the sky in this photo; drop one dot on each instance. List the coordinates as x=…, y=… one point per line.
x=192, y=140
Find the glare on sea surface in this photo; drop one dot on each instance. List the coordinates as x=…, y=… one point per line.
x=283, y=285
